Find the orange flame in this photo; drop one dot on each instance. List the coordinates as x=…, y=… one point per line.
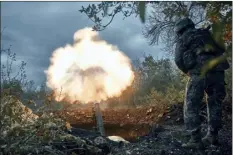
x=89, y=70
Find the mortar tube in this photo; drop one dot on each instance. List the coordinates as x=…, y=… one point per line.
x=99, y=119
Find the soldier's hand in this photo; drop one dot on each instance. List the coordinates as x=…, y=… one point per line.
x=188, y=74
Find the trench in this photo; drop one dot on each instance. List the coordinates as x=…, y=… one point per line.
x=129, y=132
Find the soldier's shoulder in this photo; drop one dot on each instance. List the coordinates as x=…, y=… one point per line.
x=196, y=34
x=203, y=32
x=179, y=44
x=179, y=41
x=188, y=34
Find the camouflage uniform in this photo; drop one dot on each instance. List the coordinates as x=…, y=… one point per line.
x=189, y=58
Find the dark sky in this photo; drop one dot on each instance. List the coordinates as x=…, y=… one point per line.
x=35, y=29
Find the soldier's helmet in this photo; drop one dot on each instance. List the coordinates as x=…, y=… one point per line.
x=183, y=24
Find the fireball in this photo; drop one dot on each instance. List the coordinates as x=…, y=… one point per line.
x=90, y=70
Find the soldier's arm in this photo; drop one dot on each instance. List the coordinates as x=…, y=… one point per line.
x=179, y=51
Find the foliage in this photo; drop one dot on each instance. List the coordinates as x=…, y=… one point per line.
x=220, y=16
x=10, y=83
x=162, y=17
x=160, y=20
x=12, y=113
x=212, y=63
x=96, y=12
x=155, y=98
x=158, y=82
x=20, y=87
x=23, y=132
x=174, y=96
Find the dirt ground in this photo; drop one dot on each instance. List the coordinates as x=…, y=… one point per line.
x=137, y=126
x=128, y=123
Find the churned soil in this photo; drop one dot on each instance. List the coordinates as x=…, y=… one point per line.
x=128, y=123
x=151, y=130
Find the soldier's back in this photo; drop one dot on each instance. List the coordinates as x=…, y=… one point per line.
x=201, y=43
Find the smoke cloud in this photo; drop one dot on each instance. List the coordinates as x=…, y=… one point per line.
x=89, y=70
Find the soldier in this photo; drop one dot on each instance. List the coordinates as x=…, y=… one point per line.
x=194, y=48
